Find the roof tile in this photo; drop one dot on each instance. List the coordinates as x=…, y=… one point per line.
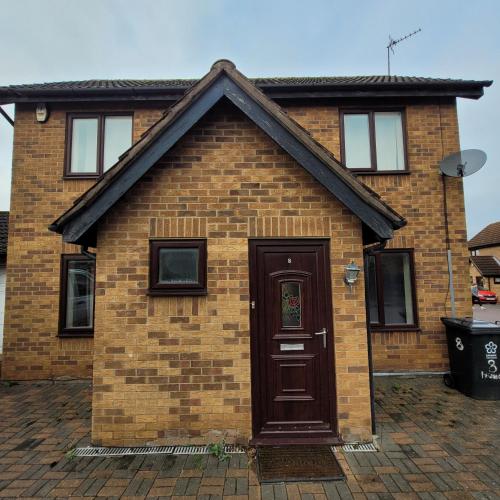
x=260, y=82
x=486, y=264
x=487, y=237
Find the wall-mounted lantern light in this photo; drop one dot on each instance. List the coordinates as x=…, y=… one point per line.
x=42, y=113
x=351, y=274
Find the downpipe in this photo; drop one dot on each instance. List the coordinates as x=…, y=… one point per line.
x=367, y=251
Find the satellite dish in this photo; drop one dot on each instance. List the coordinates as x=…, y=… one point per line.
x=463, y=163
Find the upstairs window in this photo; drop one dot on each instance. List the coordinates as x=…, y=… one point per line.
x=373, y=141
x=76, y=307
x=95, y=141
x=391, y=290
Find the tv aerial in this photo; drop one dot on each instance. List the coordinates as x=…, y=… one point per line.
x=393, y=43
x=461, y=164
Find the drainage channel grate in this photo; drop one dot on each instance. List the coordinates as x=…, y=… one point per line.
x=351, y=448
x=111, y=452
x=96, y=451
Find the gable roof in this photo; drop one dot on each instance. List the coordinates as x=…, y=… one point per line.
x=487, y=265
x=275, y=87
x=487, y=237
x=4, y=229
x=78, y=224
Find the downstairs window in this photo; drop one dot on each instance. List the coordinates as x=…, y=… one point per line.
x=391, y=290
x=76, y=307
x=178, y=267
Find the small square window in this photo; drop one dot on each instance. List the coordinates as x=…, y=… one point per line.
x=497, y=281
x=178, y=267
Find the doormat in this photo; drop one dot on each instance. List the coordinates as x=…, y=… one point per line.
x=297, y=463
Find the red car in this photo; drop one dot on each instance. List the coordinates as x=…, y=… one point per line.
x=482, y=296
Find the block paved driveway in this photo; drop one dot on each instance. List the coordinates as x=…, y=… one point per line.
x=488, y=312
x=436, y=444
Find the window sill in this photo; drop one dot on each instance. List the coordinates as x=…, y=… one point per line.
x=76, y=335
x=178, y=292
x=388, y=329
x=380, y=172
x=67, y=177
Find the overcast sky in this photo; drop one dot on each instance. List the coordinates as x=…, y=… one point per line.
x=53, y=40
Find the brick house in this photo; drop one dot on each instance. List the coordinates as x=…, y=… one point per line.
x=484, y=249
x=206, y=230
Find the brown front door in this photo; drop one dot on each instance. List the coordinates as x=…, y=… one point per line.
x=292, y=342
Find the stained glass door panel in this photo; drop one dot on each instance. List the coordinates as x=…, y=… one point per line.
x=291, y=304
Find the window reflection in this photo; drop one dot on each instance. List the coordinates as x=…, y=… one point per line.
x=84, y=145
x=389, y=141
x=357, y=141
x=80, y=294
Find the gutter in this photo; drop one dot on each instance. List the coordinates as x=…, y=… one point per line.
x=369, y=251
x=89, y=255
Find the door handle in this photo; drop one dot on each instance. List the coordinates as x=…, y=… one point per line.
x=322, y=332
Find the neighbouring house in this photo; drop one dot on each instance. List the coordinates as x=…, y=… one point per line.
x=484, y=249
x=4, y=226
x=208, y=228
x=485, y=272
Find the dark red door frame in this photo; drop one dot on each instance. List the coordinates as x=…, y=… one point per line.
x=258, y=355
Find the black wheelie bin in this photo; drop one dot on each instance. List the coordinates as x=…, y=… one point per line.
x=473, y=348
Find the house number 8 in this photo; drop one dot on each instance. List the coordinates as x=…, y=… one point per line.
x=289, y=260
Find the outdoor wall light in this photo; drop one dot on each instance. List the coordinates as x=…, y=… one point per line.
x=351, y=274
x=42, y=112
